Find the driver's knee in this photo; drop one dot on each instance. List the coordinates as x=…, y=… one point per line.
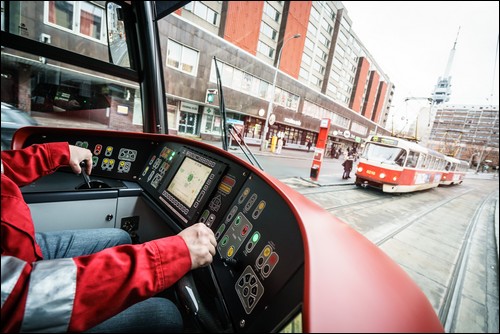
x=154, y=315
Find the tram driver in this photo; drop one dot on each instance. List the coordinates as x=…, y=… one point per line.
x=88, y=280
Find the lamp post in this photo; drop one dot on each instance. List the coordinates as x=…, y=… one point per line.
x=270, y=106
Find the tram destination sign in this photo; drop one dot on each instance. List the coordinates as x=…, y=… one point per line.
x=383, y=140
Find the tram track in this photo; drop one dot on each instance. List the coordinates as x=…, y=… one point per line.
x=447, y=313
x=430, y=235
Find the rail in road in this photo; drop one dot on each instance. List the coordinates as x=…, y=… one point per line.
x=444, y=238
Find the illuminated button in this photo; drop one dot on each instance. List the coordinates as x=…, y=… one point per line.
x=273, y=259
x=224, y=240
x=267, y=251
x=97, y=149
x=230, y=251
x=244, y=230
x=237, y=220
x=255, y=237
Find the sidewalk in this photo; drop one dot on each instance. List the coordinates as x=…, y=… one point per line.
x=329, y=174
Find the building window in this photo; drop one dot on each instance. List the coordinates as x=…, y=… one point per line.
x=182, y=58
x=268, y=31
x=271, y=12
x=304, y=74
x=318, y=67
x=309, y=44
x=201, y=10
x=265, y=49
x=79, y=17
x=212, y=122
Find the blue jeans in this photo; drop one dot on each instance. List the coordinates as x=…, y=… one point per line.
x=154, y=315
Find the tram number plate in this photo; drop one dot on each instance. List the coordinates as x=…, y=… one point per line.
x=370, y=172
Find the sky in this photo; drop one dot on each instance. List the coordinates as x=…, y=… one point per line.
x=411, y=43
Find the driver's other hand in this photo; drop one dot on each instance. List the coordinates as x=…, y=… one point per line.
x=78, y=154
x=200, y=240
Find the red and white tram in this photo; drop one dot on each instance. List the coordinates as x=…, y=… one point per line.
x=397, y=165
x=455, y=171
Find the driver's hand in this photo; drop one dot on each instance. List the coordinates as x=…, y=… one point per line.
x=200, y=240
x=78, y=154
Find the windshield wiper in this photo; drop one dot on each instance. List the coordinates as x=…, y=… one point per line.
x=231, y=130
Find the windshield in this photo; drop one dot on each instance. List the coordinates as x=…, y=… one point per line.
x=384, y=154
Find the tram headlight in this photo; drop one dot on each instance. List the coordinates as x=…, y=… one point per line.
x=395, y=178
x=382, y=175
x=360, y=169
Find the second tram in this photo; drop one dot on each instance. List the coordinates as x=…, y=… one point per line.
x=397, y=165
x=455, y=171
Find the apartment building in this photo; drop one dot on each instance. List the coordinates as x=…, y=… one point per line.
x=323, y=70
x=468, y=132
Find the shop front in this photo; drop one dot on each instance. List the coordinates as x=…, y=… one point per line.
x=188, y=119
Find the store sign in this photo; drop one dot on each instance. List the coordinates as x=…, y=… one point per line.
x=189, y=107
x=347, y=134
x=292, y=121
x=272, y=119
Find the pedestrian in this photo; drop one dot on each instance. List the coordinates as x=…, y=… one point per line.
x=347, y=167
x=333, y=152
x=85, y=280
x=280, y=146
x=309, y=144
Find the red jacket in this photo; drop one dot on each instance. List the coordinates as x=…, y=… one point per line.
x=71, y=294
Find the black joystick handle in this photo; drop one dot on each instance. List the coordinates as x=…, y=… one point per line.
x=83, y=164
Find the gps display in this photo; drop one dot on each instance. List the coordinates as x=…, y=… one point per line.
x=188, y=184
x=188, y=181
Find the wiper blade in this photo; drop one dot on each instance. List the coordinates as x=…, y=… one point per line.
x=222, y=108
x=244, y=148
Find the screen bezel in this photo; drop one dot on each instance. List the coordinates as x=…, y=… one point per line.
x=188, y=215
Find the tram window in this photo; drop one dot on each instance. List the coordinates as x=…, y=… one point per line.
x=412, y=159
x=60, y=94
x=116, y=34
x=384, y=154
x=421, y=160
x=400, y=159
x=66, y=96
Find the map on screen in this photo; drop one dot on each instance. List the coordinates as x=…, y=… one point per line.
x=188, y=181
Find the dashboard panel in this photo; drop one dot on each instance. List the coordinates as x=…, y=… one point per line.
x=259, y=242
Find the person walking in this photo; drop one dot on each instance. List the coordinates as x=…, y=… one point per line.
x=280, y=146
x=347, y=167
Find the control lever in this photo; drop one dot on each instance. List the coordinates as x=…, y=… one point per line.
x=83, y=165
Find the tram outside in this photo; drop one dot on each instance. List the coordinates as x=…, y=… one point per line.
x=396, y=165
x=455, y=171
x=282, y=263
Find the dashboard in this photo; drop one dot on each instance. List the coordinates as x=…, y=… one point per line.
x=259, y=244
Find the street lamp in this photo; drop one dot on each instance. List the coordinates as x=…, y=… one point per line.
x=270, y=106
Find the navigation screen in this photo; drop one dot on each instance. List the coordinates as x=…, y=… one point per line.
x=188, y=181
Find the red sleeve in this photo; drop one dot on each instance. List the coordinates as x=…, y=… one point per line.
x=27, y=165
x=107, y=282
x=110, y=281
